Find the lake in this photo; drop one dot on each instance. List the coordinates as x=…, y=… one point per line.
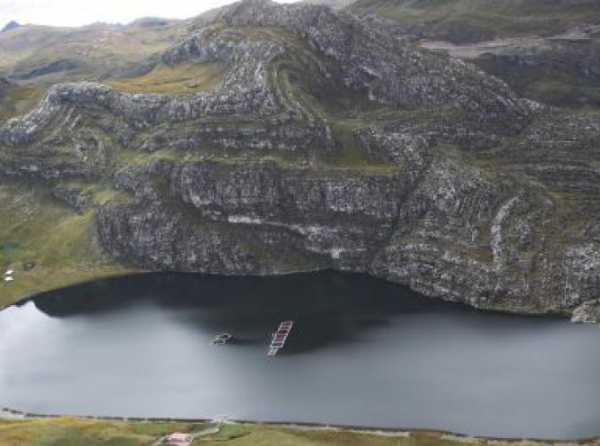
x=362, y=352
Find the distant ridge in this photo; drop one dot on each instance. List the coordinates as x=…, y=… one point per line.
x=10, y=26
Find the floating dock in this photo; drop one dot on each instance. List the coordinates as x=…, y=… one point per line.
x=280, y=337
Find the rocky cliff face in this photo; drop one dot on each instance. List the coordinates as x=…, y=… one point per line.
x=329, y=145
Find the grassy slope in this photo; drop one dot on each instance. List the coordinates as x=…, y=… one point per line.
x=78, y=432
x=179, y=80
x=18, y=100
x=36, y=228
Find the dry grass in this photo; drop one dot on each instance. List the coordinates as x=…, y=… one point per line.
x=19, y=99
x=182, y=79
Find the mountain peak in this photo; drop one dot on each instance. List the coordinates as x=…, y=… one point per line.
x=10, y=26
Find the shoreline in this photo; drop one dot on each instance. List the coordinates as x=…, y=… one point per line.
x=123, y=272
x=15, y=415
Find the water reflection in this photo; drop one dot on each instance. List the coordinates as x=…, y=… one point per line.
x=336, y=307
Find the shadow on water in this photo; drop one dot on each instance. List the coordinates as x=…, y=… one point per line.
x=328, y=307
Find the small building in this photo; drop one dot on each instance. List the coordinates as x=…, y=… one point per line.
x=179, y=439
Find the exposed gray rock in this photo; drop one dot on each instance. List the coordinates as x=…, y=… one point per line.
x=587, y=313
x=338, y=219
x=73, y=197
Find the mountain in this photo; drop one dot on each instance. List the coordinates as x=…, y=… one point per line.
x=546, y=50
x=283, y=138
x=10, y=26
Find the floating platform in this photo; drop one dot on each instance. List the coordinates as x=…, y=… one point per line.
x=279, y=337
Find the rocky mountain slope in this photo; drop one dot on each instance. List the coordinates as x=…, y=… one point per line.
x=319, y=142
x=546, y=50
x=470, y=21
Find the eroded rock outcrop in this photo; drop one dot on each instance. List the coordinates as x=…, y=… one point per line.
x=587, y=313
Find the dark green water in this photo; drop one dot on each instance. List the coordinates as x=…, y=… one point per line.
x=363, y=352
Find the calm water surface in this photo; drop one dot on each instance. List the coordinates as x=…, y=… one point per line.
x=363, y=352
